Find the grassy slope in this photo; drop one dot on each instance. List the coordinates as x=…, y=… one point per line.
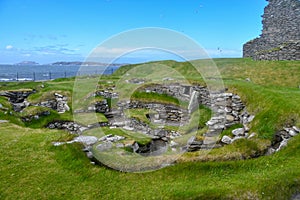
x=32, y=168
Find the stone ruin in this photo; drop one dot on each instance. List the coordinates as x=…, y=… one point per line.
x=280, y=38
x=227, y=110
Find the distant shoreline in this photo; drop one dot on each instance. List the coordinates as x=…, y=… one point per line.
x=65, y=63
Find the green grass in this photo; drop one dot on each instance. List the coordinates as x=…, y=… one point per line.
x=154, y=98
x=30, y=163
x=89, y=118
x=32, y=168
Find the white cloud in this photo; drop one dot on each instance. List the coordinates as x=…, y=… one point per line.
x=8, y=47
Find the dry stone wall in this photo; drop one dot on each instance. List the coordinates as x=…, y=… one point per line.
x=280, y=38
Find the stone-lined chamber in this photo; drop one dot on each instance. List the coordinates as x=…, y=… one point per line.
x=280, y=38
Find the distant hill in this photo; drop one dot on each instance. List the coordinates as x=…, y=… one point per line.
x=27, y=63
x=64, y=63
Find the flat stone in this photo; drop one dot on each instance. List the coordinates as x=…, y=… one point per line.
x=296, y=129
x=56, y=144
x=282, y=144
x=3, y=121
x=226, y=139
x=252, y=135
x=270, y=151
x=238, y=132
x=128, y=128
x=86, y=140
x=58, y=95
x=228, y=109
x=246, y=128
x=251, y=118
x=292, y=132
x=89, y=155
x=191, y=140
x=173, y=144
x=230, y=118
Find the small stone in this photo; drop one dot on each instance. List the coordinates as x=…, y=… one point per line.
x=252, y=135
x=156, y=116
x=81, y=129
x=89, y=155
x=135, y=147
x=296, y=129
x=173, y=144
x=282, y=144
x=229, y=118
x=128, y=128
x=58, y=95
x=191, y=140
x=248, y=79
x=238, y=132
x=226, y=139
x=228, y=109
x=271, y=151
x=86, y=140
x=56, y=144
x=246, y=128
x=292, y=133
x=66, y=107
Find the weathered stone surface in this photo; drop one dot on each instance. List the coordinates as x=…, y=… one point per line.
x=296, y=129
x=280, y=38
x=111, y=138
x=72, y=127
x=59, y=103
x=226, y=139
x=86, y=140
x=238, y=132
x=283, y=144
x=292, y=132
x=252, y=135
x=282, y=137
x=17, y=99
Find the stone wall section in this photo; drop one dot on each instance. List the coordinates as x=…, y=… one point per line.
x=280, y=38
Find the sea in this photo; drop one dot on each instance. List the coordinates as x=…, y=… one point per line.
x=50, y=72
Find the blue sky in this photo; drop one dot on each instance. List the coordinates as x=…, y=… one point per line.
x=46, y=31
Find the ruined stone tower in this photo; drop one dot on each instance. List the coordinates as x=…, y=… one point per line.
x=280, y=38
